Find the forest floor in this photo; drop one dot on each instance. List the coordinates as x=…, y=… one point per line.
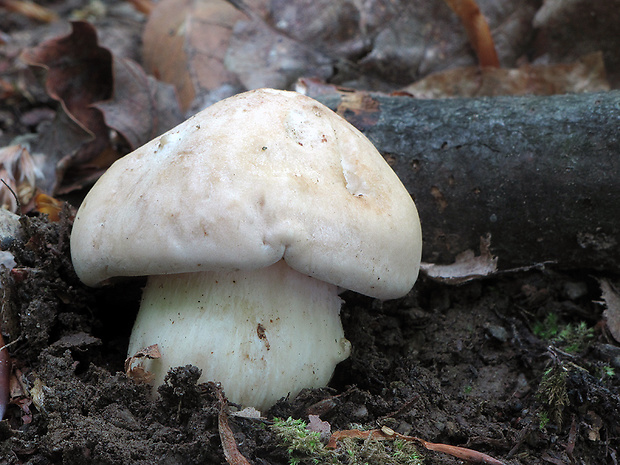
x=517, y=368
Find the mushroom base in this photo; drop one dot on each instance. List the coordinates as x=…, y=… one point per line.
x=262, y=334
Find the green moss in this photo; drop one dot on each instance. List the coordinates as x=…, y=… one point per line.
x=571, y=338
x=375, y=452
x=608, y=371
x=548, y=328
x=305, y=447
x=574, y=338
x=552, y=394
x=543, y=419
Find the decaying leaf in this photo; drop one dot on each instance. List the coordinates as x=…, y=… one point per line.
x=359, y=108
x=593, y=426
x=60, y=144
x=568, y=29
x=97, y=91
x=211, y=49
x=19, y=172
x=37, y=394
x=466, y=267
x=319, y=426
x=185, y=43
x=141, y=107
x=133, y=365
x=79, y=340
x=229, y=444
x=248, y=412
x=20, y=395
x=585, y=75
x=611, y=297
x=48, y=206
x=79, y=73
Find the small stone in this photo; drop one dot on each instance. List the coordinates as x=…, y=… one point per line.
x=497, y=332
x=575, y=290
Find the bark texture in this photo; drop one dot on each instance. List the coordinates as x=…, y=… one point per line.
x=540, y=174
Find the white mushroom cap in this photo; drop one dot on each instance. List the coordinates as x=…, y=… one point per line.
x=255, y=178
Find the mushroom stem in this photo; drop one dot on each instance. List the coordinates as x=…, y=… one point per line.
x=263, y=334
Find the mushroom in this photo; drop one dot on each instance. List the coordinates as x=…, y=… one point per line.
x=248, y=219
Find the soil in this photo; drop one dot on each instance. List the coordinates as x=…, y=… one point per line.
x=459, y=365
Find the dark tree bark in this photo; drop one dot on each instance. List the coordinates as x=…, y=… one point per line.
x=540, y=174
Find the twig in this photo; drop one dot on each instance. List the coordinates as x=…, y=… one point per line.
x=477, y=30
x=143, y=6
x=30, y=10
x=5, y=371
x=19, y=206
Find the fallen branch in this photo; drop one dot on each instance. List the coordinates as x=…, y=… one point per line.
x=540, y=174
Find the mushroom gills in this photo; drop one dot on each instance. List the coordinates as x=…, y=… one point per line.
x=262, y=334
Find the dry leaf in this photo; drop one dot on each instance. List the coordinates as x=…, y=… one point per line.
x=248, y=412
x=466, y=267
x=593, y=424
x=568, y=29
x=48, y=206
x=79, y=73
x=59, y=143
x=229, y=444
x=426, y=37
x=20, y=396
x=612, y=311
x=211, y=49
x=141, y=107
x=97, y=92
x=185, y=43
x=7, y=260
x=18, y=171
x=37, y=394
x=585, y=75
x=133, y=365
x=319, y=426
x=85, y=174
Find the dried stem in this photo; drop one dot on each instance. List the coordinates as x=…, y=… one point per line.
x=477, y=30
